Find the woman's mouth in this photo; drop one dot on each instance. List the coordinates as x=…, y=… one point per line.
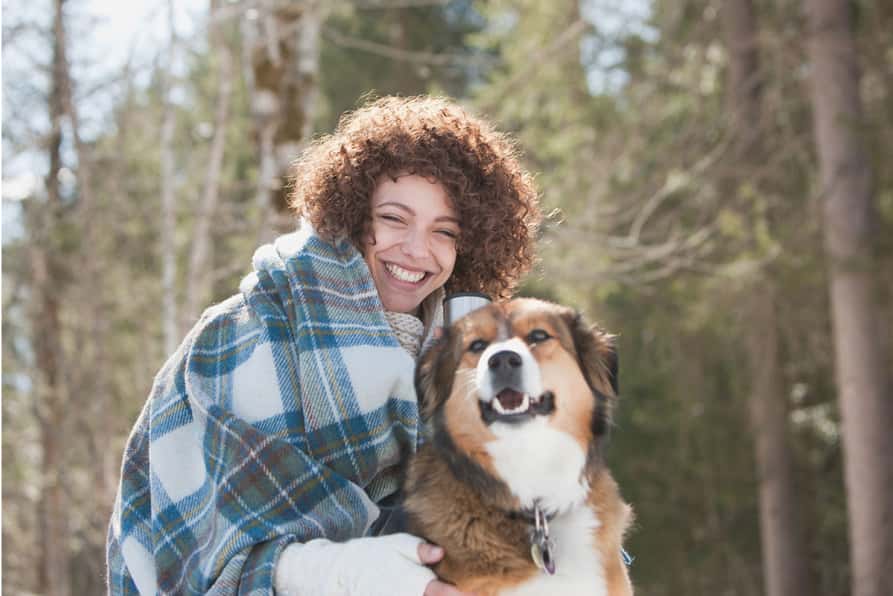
x=405, y=275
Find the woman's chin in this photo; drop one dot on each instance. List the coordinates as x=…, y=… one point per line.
x=405, y=302
x=404, y=306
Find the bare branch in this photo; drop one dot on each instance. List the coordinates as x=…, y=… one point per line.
x=537, y=59
x=379, y=4
x=380, y=49
x=674, y=181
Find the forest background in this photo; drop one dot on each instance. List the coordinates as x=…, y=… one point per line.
x=717, y=174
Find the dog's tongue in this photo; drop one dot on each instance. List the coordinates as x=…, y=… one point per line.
x=509, y=399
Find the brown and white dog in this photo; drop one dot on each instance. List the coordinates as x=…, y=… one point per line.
x=518, y=399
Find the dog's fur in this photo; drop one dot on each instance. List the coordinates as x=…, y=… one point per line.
x=472, y=487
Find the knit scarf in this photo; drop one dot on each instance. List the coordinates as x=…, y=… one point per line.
x=408, y=330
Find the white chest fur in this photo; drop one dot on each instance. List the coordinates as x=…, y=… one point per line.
x=578, y=568
x=539, y=463
x=543, y=464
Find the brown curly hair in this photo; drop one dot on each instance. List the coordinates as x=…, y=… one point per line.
x=333, y=181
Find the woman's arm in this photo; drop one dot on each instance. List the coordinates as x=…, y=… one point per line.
x=208, y=500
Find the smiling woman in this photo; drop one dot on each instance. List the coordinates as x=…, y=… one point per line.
x=278, y=433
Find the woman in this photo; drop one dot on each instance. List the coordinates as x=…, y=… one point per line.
x=285, y=418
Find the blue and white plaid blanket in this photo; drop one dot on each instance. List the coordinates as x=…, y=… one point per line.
x=284, y=416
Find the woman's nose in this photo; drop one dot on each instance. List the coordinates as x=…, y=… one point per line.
x=415, y=244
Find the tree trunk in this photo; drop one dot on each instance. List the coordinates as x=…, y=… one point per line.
x=847, y=195
x=198, y=280
x=168, y=247
x=46, y=322
x=88, y=391
x=285, y=77
x=783, y=546
x=49, y=393
x=744, y=96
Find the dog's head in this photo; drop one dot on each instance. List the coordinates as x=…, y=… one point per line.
x=524, y=390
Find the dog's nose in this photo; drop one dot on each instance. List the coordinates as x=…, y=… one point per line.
x=504, y=361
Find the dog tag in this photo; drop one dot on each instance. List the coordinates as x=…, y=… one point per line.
x=541, y=553
x=536, y=553
x=541, y=545
x=546, y=554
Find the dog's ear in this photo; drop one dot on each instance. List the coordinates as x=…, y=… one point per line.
x=597, y=355
x=435, y=372
x=610, y=358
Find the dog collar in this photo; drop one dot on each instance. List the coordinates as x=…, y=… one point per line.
x=542, y=548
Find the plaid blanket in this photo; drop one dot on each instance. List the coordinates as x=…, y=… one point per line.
x=284, y=416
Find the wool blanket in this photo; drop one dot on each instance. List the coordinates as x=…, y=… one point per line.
x=285, y=415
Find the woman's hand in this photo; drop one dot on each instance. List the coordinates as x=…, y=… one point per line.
x=430, y=554
x=392, y=565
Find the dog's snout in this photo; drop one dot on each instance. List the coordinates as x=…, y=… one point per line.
x=504, y=360
x=508, y=364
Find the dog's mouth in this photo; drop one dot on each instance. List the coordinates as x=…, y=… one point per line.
x=510, y=405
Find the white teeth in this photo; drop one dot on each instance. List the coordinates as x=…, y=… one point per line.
x=404, y=275
x=522, y=407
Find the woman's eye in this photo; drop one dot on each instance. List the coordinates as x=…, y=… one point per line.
x=388, y=217
x=448, y=233
x=537, y=335
x=477, y=346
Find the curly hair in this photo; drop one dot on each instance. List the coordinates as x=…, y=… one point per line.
x=333, y=181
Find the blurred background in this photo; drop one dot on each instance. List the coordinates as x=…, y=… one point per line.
x=715, y=173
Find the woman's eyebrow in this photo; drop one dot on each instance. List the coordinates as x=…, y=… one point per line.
x=396, y=204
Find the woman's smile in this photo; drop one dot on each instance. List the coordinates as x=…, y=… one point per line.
x=403, y=274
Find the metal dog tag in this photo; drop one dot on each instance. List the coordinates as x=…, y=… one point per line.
x=541, y=553
x=536, y=553
x=541, y=546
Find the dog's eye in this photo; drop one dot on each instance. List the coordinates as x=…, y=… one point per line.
x=537, y=335
x=477, y=346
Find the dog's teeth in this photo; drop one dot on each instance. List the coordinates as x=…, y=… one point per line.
x=522, y=407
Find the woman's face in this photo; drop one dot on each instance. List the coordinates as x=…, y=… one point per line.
x=411, y=250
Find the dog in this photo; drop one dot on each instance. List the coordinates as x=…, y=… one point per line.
x=511, y=481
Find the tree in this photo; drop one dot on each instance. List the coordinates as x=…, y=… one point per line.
x=848, y=212
x=783, y=547
x=283, y=82
x=199, y=274
x=401, y=48
x=168, y=246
